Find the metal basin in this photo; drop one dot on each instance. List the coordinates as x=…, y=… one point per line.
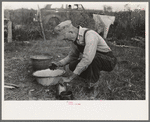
x=48, y=77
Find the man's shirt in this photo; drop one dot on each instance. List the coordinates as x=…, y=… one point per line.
x=93, y=42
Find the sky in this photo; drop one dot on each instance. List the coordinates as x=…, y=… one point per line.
x=116, y=6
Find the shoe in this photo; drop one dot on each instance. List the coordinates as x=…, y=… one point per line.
x=89, y=89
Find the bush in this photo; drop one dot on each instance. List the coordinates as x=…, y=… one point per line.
x=82, y=19
x=128, y=24
x=26, y=33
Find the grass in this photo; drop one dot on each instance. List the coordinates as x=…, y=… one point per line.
x=125, y=82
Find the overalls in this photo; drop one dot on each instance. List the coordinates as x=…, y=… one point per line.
x=102, y=61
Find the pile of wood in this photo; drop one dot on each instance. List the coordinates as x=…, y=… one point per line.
x=136, y=42
x=138, y=39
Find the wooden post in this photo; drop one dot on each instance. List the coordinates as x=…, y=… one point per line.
x=41, y=25
x=9, y=28
x=9, y=37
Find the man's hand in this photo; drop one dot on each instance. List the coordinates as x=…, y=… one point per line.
x=69, y=79
x=53, y=66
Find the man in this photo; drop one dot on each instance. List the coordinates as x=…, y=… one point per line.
x=95, y=53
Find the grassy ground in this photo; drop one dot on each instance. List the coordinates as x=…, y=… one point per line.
x=125, y=82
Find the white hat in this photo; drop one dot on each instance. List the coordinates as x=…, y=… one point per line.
x=62, y=28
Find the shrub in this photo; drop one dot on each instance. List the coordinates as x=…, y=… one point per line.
x=128, y=24
x=26, y=33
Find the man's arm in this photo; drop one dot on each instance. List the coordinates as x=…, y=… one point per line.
x=73, y=55
x=91, y=41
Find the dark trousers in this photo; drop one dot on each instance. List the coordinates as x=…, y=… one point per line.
x=101, y=62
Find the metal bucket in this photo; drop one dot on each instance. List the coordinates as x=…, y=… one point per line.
x=66, y=95
x=40, y=62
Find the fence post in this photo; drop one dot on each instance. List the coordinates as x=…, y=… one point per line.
x=41, y=25
x=9, y=37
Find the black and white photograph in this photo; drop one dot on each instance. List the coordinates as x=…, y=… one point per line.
x=74, y=54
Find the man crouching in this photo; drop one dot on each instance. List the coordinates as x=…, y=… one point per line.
x=96, y=54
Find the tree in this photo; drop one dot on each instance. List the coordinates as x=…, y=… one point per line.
x=107, y=8
x=127, y=7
